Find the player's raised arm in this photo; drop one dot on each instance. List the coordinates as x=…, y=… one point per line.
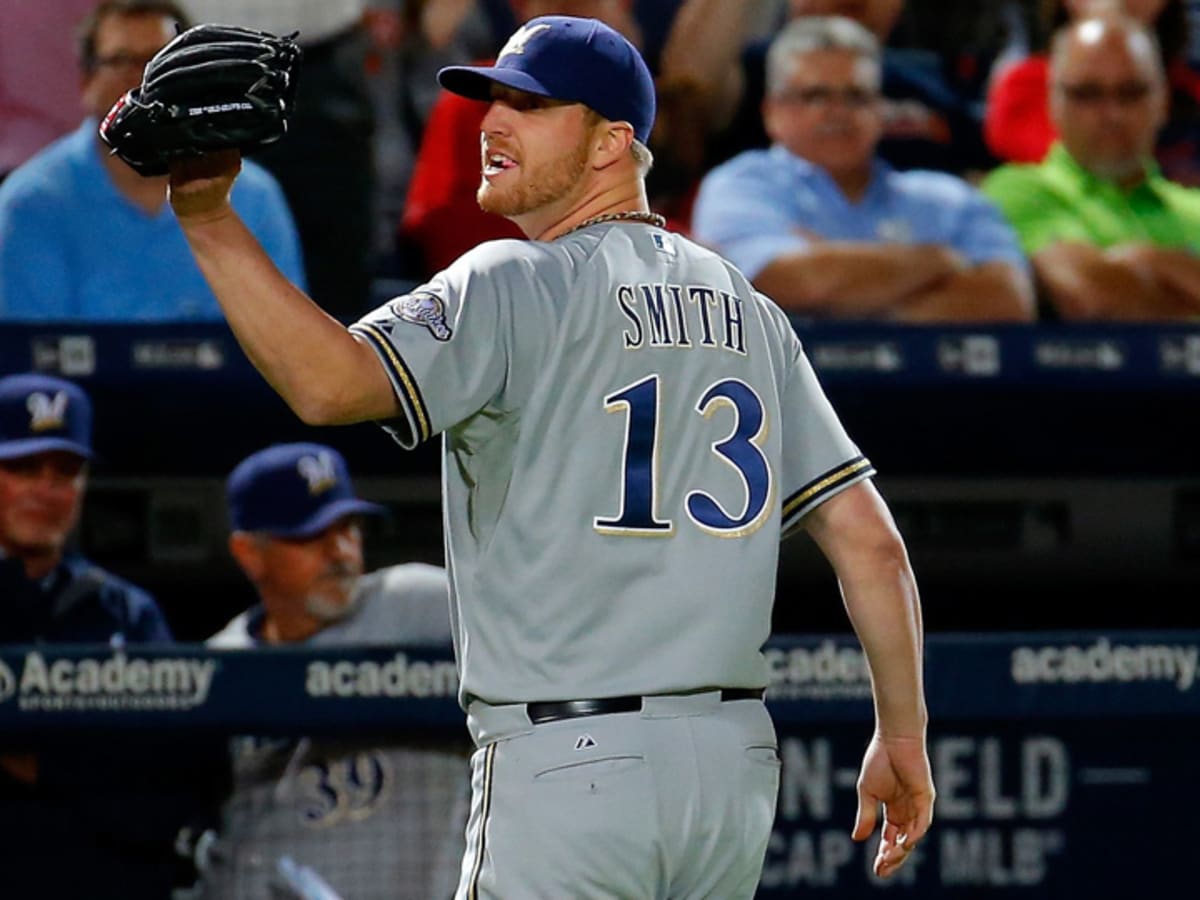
x=326, y=375
x=214, y=92
x=856, y=533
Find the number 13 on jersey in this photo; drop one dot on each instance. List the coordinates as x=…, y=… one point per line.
x=741, y=449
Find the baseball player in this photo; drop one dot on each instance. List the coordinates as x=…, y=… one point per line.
x=628, y=429
x=373, y=820
x=98, y=821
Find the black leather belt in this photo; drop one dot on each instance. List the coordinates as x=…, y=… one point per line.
x=555, y=710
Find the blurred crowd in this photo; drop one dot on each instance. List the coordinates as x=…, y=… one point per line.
x=911, y=161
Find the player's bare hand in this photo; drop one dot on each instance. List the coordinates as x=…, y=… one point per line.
x=199, y=186
x=895, y=775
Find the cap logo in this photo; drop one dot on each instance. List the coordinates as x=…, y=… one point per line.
x=46, y=412
x=319, y=471
x=516, y=43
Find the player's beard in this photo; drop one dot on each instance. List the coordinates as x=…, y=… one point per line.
x=537, y=186
x=333, y=605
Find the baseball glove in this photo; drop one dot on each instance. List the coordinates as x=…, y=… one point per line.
x=214, y=87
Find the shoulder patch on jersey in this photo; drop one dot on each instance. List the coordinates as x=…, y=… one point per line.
x=663, y=242
x=423, y=308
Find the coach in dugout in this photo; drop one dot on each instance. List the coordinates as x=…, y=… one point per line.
x=92, y=818
x=355, y=818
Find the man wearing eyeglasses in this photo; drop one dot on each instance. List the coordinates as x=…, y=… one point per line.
x=1110, y=238
x=87, y=238
x=822, y=224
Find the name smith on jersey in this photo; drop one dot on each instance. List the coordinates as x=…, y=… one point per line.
x=681, y=316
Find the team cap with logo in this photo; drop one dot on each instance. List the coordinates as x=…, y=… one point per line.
x=567, y=58
x=42, y=413
x=293, y=491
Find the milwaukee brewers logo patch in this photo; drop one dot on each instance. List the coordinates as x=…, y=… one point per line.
x=423, y=309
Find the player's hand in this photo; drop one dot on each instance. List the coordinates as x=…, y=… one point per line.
x=895, y=773
x=199, y=186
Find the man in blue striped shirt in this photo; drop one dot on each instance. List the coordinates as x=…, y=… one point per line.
x=828, y=229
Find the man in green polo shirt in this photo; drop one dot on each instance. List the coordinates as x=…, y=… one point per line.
x=1109, y=237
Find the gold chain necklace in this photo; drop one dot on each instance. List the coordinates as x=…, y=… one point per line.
x=628, y=216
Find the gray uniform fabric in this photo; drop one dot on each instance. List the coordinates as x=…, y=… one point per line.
x=372, y=820
x=628, y=429
x=403, y=604
x=675, y=801
x=601, y=539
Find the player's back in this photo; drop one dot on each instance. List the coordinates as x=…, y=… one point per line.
x=642, y=527
x=614, y=483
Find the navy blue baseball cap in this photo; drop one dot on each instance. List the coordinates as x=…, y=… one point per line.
x=567, y=58
x=40, y=413
x=293, y=491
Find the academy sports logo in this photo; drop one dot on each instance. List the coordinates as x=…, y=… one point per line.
x=828, y=671
x=114, y=683
x=398, y=677
x=516, y=43
x=1105, y=663
x=423, y=308
x=319, y=471
x=46, y=412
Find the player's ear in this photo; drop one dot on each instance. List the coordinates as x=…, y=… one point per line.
x=613, y=140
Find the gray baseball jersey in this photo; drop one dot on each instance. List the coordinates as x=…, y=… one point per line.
x=372, y=819
x=397, y=604
x=628, y=429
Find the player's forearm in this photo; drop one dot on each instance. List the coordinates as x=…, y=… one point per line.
x=324, y=374
x=885, y=611
x=851, y=279
x=856, y=533
x=992, y=292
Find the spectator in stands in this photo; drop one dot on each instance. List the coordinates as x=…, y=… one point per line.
x=97, y=821
x=929, y=121
x=828, y=229
x=1109, y=236
x=326, y=165
x=82, y=235
x=1017, y=123
x=699, y=66
x=369, y=818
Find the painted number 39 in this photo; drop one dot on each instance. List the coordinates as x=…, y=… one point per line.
x=639, y=513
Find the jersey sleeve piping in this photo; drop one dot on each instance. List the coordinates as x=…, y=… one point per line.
x=824, y=486
x=405, y=385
